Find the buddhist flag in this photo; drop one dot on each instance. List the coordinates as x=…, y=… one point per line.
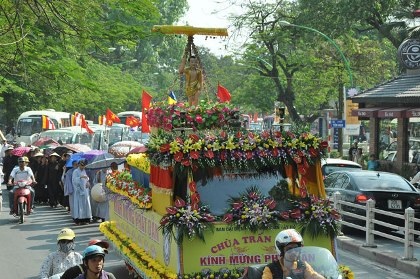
x=146, y=98
x=110, y=116
x=171, y=98
x=84, y=124
x=76, y=119
x=132, y=121
x=223, y=94
x=47, y=123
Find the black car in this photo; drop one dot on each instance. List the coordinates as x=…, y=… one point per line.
x=390, y=191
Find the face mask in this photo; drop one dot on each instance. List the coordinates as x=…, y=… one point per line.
x=66, y=247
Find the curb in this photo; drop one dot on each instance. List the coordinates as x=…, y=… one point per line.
x=380, y=256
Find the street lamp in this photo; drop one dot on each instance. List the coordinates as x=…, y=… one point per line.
x=346, y=62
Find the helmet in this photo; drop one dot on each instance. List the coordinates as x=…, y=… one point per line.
x=92, y=251
x=23, y=159
x=286, y=237
x=102, y=243
x=66, y=234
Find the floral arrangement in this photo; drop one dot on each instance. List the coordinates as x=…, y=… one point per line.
x=346, y=272
x=240, y=150
x=123, y=184
x=316, y=216
x=182, y=115
x=252, y=211
x=186, y=219
x=130, y=250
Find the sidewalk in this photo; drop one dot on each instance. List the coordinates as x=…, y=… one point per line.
x=385, y=254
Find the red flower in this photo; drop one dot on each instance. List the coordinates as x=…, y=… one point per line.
x=208, y=218
x=185, y=162
x=237, y=205
x=179, y=140
x=228, y=218
x=194, y=137
x=195, y=155
x=198, y=119
x=165, y=147
x=179, y=202
x=284, y=215
x=178, y=156
x=193, y=186
x=171, y=210
x=249, y=154
x=195, y=198
x=253, y=195
x=295, y=213
x=164, y=221
x=209, y=154
x=324, y=144
x=275, y=152
x=313, y=152
x=223, y=134
x=270, y=203
x=238, y=135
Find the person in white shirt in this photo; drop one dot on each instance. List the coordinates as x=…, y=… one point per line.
x=20, y=173
x=61, y=260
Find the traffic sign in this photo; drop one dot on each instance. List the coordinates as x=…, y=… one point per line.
x=338, y=123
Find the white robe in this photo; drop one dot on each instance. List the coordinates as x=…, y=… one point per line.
x=81, y=202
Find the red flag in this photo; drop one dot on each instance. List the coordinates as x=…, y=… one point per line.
x=223, y=94
x=110, y=116
x=145, y=105
x=84, y=124
x=132, y=121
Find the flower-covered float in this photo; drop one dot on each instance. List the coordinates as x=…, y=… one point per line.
x=209, y=197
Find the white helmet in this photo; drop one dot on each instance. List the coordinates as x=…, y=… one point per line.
x=286, y=237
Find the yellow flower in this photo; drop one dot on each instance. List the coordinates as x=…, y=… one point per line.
x=230, y=144
x=174, y=147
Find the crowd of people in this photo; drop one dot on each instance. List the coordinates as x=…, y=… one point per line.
x=56, y=180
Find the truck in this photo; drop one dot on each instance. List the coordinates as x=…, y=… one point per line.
x=208, y=197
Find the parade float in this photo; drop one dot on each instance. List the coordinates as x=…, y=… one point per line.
x=209, y=196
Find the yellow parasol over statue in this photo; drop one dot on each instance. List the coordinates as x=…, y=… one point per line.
x=189, y=30
x=194, y=73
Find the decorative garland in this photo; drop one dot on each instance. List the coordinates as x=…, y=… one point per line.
x=124, y=185
x=137, y=255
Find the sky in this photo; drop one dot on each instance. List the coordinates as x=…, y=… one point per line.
x=210, y=13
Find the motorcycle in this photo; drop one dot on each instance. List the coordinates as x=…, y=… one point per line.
x=22, y=200
x=303, y=262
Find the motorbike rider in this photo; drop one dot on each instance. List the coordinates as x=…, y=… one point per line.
x=281, y=268
x=93, y=259
x=75, y=271
x=19, y=173
x=59, y=261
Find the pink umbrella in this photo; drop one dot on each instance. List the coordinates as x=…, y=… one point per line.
x=139, y=149
x=20, y=151
x=46, y=142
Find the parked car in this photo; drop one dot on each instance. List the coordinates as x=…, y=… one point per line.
x=391, y=192
x=139, y=136
x=330, y=165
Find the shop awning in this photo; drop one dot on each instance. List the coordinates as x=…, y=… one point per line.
x=392, y=112
x=365, y=112
x=414, y=112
